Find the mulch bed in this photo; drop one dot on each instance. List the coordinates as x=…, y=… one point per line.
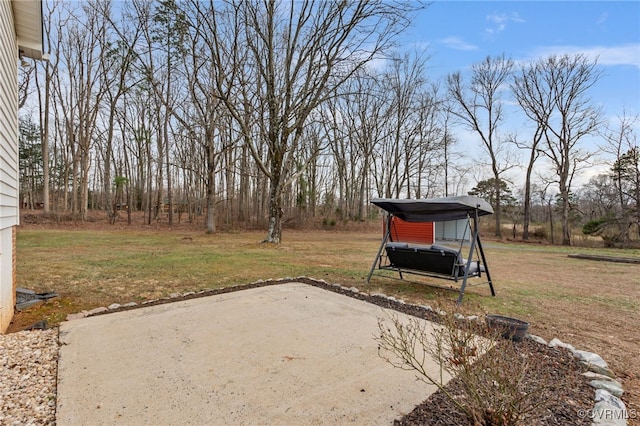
x=565, y=392
x=566, y=395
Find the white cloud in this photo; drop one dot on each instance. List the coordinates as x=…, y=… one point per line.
x=377, y=64
x=457, y=43
x=500, y=18
x=500, y=21
x=624, y=54
x=497, y=18
x=497, y=29
x=603, y=18
x=583, y=178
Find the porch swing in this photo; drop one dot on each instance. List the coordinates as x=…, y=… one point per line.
x=435, y=261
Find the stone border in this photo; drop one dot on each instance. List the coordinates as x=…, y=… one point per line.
x=609, y=409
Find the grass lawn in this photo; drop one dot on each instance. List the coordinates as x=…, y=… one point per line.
x=592, y=305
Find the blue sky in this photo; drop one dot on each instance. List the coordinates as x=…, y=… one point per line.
x=457, y=34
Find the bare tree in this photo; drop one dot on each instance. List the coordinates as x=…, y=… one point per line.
x=354, y=122
x=209, y=123
x=434, y=147
x=44, y=97
x=479, y=107
x=556, y=93
x=453, y=168
x=43, y=107
x=79, y=90
x=404, y=83
x=119, y=56
x=622, y=142
x=531, y=94
x=26, y=73
x=288, y=58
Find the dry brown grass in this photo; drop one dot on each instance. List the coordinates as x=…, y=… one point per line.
x=592, y=305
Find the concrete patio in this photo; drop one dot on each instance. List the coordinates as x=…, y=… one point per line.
x=279, y=354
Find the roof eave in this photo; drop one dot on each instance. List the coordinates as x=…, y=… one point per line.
x=27, y=15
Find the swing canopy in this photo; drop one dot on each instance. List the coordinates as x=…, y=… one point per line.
x=435, y=209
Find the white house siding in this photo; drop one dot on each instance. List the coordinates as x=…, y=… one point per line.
x=8, y=159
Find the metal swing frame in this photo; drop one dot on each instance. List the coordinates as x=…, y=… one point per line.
x=434, y=262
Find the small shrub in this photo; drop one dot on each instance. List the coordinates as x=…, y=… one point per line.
x=539, y=232
x=490, y=369
x=594, y=227
x=328, y=223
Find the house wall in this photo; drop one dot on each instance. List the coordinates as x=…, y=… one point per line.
x=9, y=213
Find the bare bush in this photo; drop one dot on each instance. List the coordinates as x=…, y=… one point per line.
x=490, y=368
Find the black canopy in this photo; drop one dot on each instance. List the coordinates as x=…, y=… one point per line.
x=434, y=209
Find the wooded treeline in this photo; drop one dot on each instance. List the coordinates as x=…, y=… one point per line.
x=264, y=112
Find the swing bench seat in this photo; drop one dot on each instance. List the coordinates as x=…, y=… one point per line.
x=440, y=261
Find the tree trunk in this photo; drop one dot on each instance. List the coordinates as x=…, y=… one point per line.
x=566, y=229
x=159, y=204
x=168, y=164
x=149, y=197
x=74, y=176
x=44, y=134
x=551, y=222
x=527, y=197
x=84, y=187
x=110, y=205
x=498, y=215
x=211, y=187
x=527, y=210
x=274, y=234
x=243, y=196
x=127, y=169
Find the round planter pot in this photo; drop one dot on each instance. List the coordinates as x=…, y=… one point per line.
x=509, y=328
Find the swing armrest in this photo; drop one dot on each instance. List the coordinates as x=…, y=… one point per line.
x=474, y=269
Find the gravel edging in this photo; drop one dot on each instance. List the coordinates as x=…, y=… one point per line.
x=28, y=376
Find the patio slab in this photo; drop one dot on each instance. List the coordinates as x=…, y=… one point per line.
x=279, y=354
